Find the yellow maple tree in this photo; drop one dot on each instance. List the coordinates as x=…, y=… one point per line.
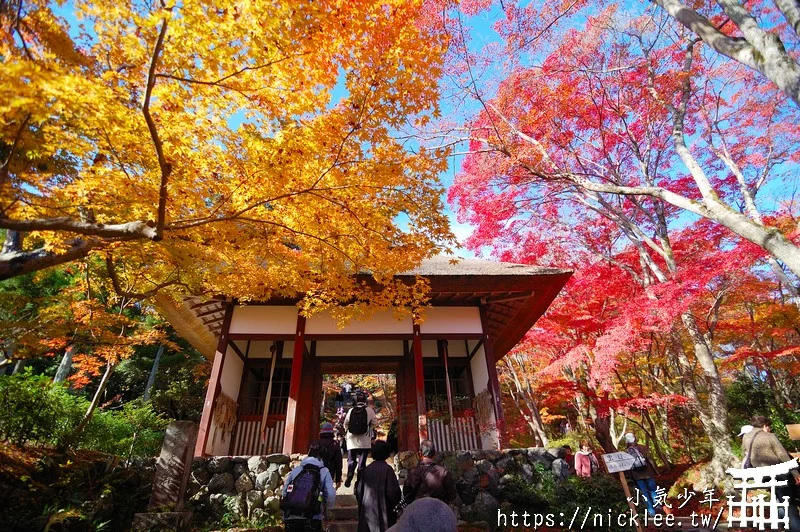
x=241, y=147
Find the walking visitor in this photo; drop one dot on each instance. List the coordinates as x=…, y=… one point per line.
x=307, y=492
x=358, y=423
x=429, y=479
x=377, y=492
x=644, y=472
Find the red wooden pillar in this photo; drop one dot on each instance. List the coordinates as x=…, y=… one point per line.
x=214, y=384
x=491, y=368
x=307, y=428
x=419, y=386
x=400, y=385
x=410, y=411
x=292, y=419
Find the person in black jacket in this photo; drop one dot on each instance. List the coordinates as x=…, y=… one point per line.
x=377, y=492
x=331, y=453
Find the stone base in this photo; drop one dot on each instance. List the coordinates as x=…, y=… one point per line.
x=161, y=521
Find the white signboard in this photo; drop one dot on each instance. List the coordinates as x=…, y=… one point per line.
x=617, y=462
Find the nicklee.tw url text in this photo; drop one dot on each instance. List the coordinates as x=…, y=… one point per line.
x=590, y=519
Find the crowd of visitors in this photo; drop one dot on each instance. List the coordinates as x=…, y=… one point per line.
x=310, y=488
x=423, y=502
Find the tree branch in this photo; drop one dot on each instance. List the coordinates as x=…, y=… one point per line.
x=21, y=262
x=166, y=167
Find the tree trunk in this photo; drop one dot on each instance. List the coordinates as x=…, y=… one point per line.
x=602, y=429
x=76, y=434
x=654, y=434
x=151, y=380
x=713, y=413
x=66, y=365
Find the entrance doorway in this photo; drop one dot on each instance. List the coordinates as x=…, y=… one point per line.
x=339, y=390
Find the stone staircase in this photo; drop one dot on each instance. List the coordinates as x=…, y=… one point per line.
x=344, y=517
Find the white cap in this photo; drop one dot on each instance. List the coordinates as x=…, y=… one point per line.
x=629, y=437
x=745, y=430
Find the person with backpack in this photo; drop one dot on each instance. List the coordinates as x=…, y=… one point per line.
x=307, y=491
x=429, y=479
x=331, y=453
x=358, y=423
x=644, y=472
x=585, y=461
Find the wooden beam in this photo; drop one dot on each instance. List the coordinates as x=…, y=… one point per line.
x=214, y=384
x=216, y=310
x=474, y=350
x=494, y=383
x=236, y=350
x=294, y=388
x=260, y=337
x=419, y=385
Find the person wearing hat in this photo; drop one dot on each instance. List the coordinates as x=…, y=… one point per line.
x=331, y=453
x=427, y=514
x=644, y=472
x=746, y=429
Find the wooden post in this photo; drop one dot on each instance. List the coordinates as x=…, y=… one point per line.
x=632, y=506
x=214, y=383
x=419, y=384
x=273, y=351
x=451, y=429
x=491, y=368
x=294, y=386
x=410, y=410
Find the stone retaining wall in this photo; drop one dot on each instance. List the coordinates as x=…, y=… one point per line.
x=249, y=486
x=481, y=476
x=245, y=486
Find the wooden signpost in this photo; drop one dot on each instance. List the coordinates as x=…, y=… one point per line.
x=619, y=463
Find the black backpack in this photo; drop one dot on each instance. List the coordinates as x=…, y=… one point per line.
x=358, y=421
x=303, y=493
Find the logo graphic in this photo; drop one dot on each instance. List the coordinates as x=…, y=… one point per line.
x=755, y=511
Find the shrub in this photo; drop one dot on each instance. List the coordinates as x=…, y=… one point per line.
x=36, y=411
x=134, y=430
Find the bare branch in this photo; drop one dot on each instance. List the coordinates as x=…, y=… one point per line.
x=166, y=167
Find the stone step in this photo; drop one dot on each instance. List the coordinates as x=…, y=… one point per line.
x=343, y=501
x=342, y=526
x=343, y=513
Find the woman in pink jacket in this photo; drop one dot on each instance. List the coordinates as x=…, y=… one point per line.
x=585, y=461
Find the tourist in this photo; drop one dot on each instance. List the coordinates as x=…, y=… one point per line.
x=339, y=429
x=307, y=492
x=358, y=423
x=569, y=458
x=746, y=429
x=331, y=453
x=426, y=515
x=429, y=479
x=586, y=463
x=377, y=492
x=644, y=472
x=765, y=449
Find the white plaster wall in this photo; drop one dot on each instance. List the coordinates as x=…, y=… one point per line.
x=379, y=323
x=480, y=381
x=230, y=380
x=261, y=319
x=457, y=348
x=450, y=320
x=429, y=349
x=359, y=348
x=480, y=375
